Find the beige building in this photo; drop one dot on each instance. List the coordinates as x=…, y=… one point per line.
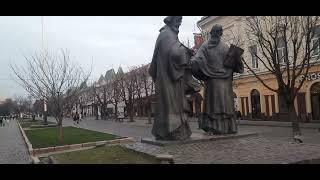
x=252, y=98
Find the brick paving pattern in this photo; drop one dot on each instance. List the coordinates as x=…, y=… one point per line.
x=13, y=149
x=251, y=150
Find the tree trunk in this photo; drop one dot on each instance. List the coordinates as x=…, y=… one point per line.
x=149, y=117
x=33, y=117
x=149, y=112
x=131, y=112
x=96, y=112
x=103, y=114
x=116, y=110
x=60, y=127
x=107, y=114
x=294, y=119
x=45, y=120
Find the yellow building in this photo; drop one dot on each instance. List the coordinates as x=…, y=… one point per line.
x=252, y=98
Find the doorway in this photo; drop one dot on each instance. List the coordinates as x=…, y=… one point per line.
x=255, y=104
x=315, y=100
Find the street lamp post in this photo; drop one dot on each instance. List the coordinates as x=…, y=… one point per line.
x=45, y=111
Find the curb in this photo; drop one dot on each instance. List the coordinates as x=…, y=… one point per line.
x=304, y=126
x=40, y=151
x=34, y=159
x=198, y=140
x=43, y=126
x=52, y=160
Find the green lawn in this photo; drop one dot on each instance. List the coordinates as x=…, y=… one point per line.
x=48, y=137
x=105, y=155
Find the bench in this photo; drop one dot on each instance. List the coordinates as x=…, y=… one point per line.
x=120, y=119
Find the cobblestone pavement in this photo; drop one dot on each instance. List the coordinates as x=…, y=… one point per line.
x=140, y=129
x=13, y=149
x=250, y=150
x=273, y=145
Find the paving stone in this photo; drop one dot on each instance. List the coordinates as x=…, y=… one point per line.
x=13, y=149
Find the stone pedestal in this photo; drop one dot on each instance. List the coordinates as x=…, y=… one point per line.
x=198, y=137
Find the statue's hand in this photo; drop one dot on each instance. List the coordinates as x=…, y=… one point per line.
x=189, y=65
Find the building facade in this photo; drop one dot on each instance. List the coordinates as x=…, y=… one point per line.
x=252, y=98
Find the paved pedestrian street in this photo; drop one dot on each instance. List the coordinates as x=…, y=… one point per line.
x=13, y=149
x=250, y=150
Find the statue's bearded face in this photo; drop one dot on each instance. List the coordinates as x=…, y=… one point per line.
x=176, y=22
x=216, y=34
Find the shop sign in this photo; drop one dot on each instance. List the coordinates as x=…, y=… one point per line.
x=311, y=76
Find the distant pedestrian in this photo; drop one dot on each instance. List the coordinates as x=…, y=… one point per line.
x=80, y=116
x=1, y=121
x=239, y=115
x=75, y=118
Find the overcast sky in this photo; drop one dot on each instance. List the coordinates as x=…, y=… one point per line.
x=110, y=41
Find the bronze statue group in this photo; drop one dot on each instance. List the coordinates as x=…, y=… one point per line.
x=172, y=68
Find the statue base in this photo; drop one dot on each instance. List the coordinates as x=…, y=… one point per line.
x=199, y=137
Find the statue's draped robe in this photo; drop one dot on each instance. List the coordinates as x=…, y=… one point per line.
x=218, y=111
x=167, y=70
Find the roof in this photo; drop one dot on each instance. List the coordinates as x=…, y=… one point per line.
x=202, y=19
x=109, y=74
x=120, y=71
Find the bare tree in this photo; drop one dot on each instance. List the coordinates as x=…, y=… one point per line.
x=38, y=106
x=286, y=49
x=22, y=104
x=100, y=93
x=114, y=96
x=147, y=85
x=127, y=87
x=8, y=107
x=137, y=73
x=54, y=78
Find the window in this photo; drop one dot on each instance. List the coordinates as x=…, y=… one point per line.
x=281, y=49
x=281, y=54
x=315, y=44
x=254, y=59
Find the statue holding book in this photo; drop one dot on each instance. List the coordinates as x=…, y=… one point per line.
x=215, y=63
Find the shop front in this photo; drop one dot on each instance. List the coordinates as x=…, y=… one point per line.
x=256, y=102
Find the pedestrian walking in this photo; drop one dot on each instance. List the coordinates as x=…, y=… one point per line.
x=75, y=119
x=1, y=121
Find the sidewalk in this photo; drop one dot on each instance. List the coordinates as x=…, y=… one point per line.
x=144, y=122
x=278, y=124
x=13, y=149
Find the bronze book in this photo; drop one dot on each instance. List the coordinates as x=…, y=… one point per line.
x=233, y=57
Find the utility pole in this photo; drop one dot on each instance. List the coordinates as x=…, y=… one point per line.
x=44, y=99
x=42, y=32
